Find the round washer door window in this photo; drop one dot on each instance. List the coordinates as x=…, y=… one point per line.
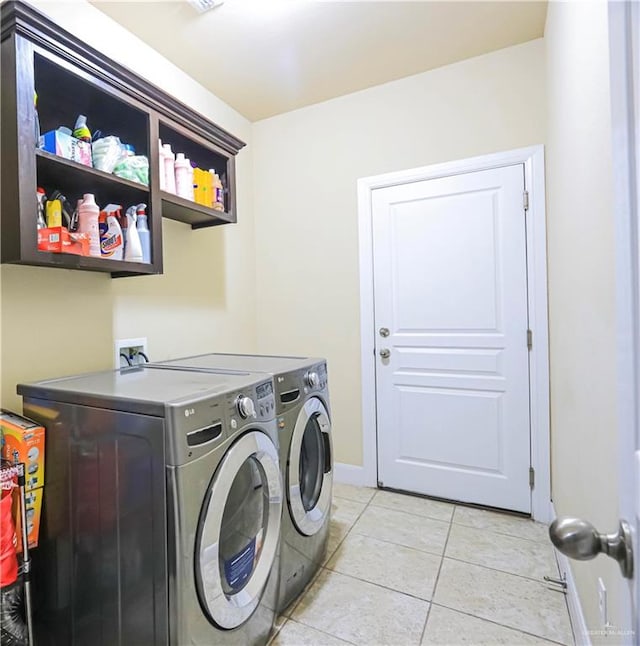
x=238, y=531
x=310, y=473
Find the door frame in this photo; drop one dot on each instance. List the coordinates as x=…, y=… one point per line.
x=624, y=66
x=533, y=159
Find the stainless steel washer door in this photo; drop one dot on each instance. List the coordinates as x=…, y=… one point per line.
x=310, y=472
x=238, y=531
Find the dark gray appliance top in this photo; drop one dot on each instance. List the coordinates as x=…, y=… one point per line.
x=147, y=390
x=271, y=365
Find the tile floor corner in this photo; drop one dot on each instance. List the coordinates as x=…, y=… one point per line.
x=404, y=570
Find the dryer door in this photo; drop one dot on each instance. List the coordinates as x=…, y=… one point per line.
x=310, y=471
x=238, y=531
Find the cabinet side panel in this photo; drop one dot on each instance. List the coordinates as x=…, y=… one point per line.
x=99, y=571
x=9, y=205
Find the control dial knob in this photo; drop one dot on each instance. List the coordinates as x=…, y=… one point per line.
x=312, y=379
x=245, y=406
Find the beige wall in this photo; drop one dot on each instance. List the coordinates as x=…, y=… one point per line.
x=581, y=284
x=57, y=322
x=306, y=166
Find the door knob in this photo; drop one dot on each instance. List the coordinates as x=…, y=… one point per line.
x=384, y=331
x=384, y=353
x=580, y=540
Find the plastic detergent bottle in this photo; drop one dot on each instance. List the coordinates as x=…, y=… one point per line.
x=81, y=131
x=54, y=213
x=133, y=250
x=218, y=191
x=42, y=198
x=163, y=183
x=184, y=177
x=169, y=170
x=111, y=242
x=143, y=231
x=88, y=214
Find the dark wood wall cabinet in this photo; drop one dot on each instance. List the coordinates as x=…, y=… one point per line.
x=69, y=78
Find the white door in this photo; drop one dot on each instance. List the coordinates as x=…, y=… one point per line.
x=450, y=291
x=624, y=37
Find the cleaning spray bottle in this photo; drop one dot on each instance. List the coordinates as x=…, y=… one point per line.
x=133, y=250
x=143, y=232
x=111, y=242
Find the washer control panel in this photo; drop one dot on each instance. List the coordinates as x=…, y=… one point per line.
x=254, y=403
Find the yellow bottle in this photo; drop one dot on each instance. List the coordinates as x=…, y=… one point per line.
x=54, y=214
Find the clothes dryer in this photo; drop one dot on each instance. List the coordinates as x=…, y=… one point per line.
x=163, y=505
x=306, y=456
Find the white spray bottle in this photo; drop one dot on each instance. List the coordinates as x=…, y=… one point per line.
x=133, y=250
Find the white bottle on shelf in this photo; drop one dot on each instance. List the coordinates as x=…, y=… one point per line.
x=133, y=250
x=163, y=184
x=88, y=213
x=169, y=171
x=184, y=177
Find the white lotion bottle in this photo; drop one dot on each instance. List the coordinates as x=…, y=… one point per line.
x=169, y=171
x=184, y=177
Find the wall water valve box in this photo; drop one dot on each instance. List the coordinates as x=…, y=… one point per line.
x=64, y=145
x=27, y=438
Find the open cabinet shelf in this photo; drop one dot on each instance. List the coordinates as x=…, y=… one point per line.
x=71, y=78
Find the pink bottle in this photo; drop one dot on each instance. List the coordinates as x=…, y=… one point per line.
x=88, y=213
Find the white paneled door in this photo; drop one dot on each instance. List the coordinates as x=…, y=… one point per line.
x=452, y=364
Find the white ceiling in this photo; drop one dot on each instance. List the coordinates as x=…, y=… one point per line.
x=264, y=57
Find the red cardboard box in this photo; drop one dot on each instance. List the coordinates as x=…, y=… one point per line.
x=25, y=437
x=59, y=240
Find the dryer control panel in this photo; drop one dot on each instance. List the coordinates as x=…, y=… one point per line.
x=293, y=386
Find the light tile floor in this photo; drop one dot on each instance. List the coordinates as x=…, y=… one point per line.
x=402, y=570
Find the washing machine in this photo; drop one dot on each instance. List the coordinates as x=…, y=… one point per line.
x=306, y=456
x=162, y=508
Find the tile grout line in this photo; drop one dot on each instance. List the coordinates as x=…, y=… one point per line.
x=497, y=623
x=324, y=632
x=322, y=565
x=278, y=631
x=388, y=542
x=379, y=585
x=495, y=569
x=493, y=531
x=435, y=583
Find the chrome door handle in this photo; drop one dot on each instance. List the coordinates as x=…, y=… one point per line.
x=385, y=353
x=580, y=540
x=384, y=331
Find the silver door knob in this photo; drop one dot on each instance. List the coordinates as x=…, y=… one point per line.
x=384, y=331
x=580, y=540
x=384, y=353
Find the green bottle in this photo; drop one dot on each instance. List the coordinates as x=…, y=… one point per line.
x=81, y=131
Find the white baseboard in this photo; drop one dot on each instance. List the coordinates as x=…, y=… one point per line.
x=578, y=622
x=349, y=474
